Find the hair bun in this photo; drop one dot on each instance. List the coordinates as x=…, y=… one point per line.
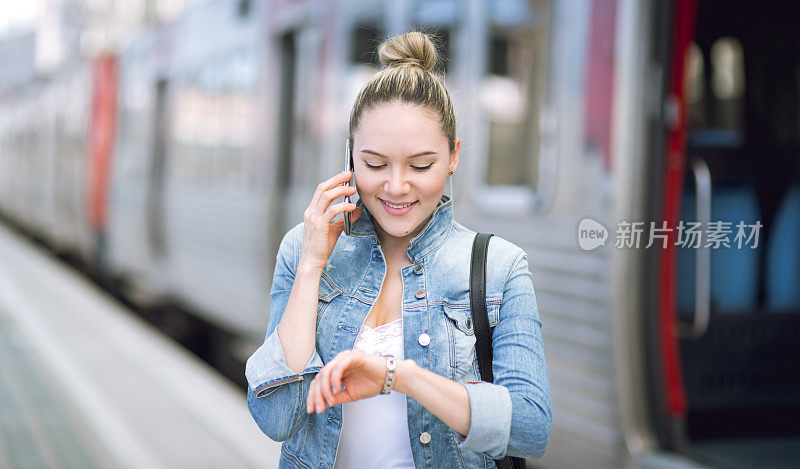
x=414, y=49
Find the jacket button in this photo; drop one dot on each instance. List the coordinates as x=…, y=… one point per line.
x=425, y=438
x=420, y=294
x=418, y=269
x=424, y=339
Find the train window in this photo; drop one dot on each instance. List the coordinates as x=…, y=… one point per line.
x=437, y=18
x=213, y=120
x=728, y=79
x=693, y=84
x=238, y=131
x=498, y=56
x=441, y=38
x=512, y=94
x=714, y=82
x=243, y=8
x=727, y=82
x=366, y=38
x=443, y=44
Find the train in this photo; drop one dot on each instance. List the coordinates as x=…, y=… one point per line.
x=174, y=165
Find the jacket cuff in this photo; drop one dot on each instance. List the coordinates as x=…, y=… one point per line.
x=267, y=369
x=490, y=419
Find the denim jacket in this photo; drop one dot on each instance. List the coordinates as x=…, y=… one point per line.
x=508, y=417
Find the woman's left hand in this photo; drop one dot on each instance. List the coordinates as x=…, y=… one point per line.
x=361, y=373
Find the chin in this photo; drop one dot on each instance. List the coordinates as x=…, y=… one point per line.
x=392, y=228
x=397, y=231
x=401, y=233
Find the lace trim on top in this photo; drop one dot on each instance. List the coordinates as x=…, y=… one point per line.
x=386, y=338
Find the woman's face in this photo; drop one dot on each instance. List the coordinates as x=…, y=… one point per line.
x=401, y=157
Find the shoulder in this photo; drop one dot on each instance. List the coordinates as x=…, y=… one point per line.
x=502, y=256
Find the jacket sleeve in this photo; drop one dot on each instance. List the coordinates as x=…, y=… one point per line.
x=512, y=416
x=276, y=395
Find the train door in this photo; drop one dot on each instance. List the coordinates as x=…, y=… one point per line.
x=285, y=123
x=726, y=363
x=157, y=177
x=296, y=143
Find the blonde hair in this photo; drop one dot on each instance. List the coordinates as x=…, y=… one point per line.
x=407, y=77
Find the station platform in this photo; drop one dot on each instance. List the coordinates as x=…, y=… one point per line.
x=85, y=383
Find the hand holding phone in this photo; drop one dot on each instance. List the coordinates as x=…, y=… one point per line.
x=320, y=232
x=348, y=166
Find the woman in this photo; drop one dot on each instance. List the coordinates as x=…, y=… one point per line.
x=398, y=286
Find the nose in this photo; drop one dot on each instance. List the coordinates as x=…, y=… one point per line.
x=397, y=184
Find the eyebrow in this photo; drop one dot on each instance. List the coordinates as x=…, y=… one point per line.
x=412, y=156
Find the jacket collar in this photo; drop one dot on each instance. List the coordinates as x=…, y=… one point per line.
x=426, y=241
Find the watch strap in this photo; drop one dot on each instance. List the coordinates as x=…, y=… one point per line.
x=391, y=368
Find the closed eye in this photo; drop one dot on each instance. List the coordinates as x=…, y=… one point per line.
x=418, y=168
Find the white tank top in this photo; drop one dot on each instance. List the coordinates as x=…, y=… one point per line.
x=375, y=430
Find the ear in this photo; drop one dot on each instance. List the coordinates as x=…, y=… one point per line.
x=454, y=156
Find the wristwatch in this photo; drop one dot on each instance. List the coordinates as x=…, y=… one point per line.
x=391, y=368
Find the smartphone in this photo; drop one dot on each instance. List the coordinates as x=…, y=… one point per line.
x=348, y=166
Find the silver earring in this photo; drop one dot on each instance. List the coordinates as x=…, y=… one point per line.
x=450, y=178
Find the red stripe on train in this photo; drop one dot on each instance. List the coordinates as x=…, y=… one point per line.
x=101, y=138
x=674, y=167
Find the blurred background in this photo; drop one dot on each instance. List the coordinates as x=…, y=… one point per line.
x=154, y=152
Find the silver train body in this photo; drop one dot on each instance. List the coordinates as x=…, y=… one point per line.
x=228, y=118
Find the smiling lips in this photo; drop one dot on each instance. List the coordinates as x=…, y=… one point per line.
x=397, y=209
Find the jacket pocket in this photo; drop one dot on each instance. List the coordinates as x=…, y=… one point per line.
x=327, y=292
x=461, y=337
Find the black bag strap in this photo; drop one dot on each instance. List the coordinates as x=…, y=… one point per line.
x=477, y=302
x=480, y=320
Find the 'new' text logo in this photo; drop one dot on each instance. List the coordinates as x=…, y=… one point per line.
x=591, y=234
